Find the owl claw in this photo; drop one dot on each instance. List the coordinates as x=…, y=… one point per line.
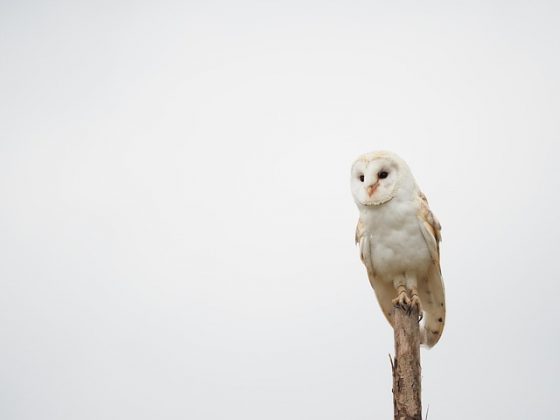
x=402, y=300
x=408, y=304
x=415, y=304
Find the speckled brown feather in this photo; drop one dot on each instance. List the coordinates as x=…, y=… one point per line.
x=431, y=224
x=432, y=295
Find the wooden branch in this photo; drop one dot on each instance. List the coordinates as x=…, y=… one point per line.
x=406, y=366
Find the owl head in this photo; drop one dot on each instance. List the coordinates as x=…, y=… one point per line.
x=378, y=177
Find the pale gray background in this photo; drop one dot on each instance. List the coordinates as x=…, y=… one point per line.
x=176, y=224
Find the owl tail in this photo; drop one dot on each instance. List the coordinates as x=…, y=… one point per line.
x=433, y=304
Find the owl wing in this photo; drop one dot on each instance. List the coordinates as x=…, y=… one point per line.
x=384, y=291
x=430, y=227
x=432, y=291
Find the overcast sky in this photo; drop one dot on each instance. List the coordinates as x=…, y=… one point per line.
x=176, y=223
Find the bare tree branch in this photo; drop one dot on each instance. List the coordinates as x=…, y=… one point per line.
x=406, y=365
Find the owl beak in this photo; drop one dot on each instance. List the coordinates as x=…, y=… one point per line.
x=371, y=189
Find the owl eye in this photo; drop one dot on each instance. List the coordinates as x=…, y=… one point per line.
x=383, y=174
x=361, y=178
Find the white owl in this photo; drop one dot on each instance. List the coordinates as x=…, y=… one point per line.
x=399, y=240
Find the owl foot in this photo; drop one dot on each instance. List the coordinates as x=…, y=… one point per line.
x=415, y=304
x=408, y=304
x=402, y=300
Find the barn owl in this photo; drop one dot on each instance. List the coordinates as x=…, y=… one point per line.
x=398, y=238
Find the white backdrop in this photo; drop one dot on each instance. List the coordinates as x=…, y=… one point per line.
x=176, y=224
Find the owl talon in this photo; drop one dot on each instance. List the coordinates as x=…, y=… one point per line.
x=408, y=304
x=402, y=300
x=415, y=304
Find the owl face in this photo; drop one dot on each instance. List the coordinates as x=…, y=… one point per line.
x=375, y=178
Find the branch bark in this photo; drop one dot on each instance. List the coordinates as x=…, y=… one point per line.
x=406, y=366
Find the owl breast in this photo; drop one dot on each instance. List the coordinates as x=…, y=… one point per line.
x=396, y=242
